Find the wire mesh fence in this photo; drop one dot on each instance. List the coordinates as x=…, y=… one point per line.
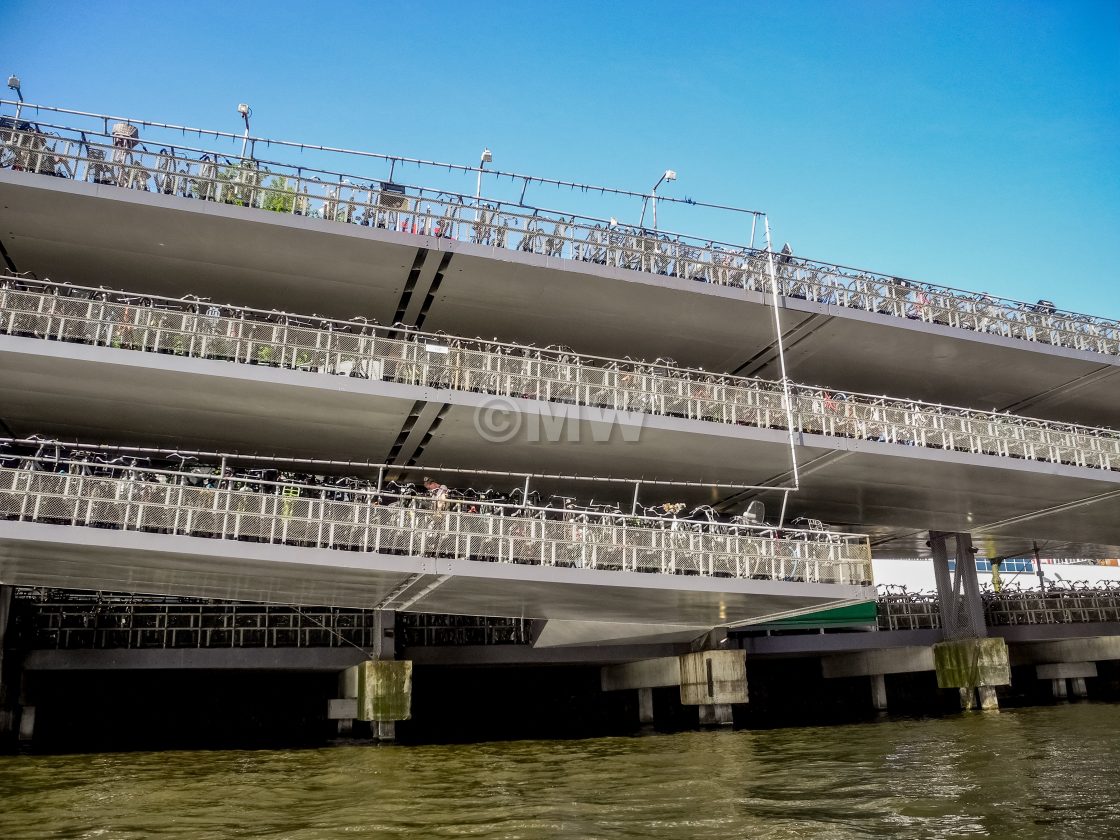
x=165, y=502
x=188, y=327
x=123, y=161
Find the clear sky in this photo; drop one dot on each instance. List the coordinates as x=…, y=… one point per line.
x=974, y=144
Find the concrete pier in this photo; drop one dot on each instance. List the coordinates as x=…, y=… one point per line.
x=713, y=680
x=972, y=664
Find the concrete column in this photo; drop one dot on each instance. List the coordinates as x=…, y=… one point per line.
x=1077, y=687
x=26, y=724
x=989, y=702
x=879, y=692
x=1058, y=686
x=7, y=689
x=716, y=714
x=645, y=706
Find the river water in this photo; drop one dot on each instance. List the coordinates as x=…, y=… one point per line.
x=1032, y=773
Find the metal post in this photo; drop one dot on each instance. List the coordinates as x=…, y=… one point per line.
x=634, y=506
x=958, y=593
x=787, y=399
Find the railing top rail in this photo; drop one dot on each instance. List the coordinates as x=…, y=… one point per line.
x=607, y=518
x=296, y=144
x=426, y=193
x=560, y=356
x=848, y=272
x=390, y=469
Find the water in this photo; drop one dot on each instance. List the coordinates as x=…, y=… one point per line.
x=1031, y=773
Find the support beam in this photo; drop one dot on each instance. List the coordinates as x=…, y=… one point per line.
x=958, y=592
x=8, y=679
x=645, y=706
x=867, y=663
x=1069, y=651
x=879, y=692
x=1066, y=670
x=27, y=724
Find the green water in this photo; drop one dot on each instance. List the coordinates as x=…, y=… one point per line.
x=1034, y=773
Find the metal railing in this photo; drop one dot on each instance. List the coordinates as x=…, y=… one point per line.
x=1058, y=604
x=103, y=621
x=99, y=157
x=188, y=327
x=169, y=502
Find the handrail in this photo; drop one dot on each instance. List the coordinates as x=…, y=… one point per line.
x=235, y=508
x=193, y=328
x=428, y=211
x=1009, y=607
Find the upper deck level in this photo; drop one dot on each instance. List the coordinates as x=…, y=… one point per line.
x=178, y=219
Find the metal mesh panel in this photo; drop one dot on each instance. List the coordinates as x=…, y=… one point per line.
x=232, y=511
x=538, y=374
x=208, y=176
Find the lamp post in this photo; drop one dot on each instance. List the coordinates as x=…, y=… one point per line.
x=667, y=175
x=13, y=83
x=245, y=111
x=487, y=157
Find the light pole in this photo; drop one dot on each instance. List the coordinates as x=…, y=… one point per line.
x=245, y=111
x=13, y=83
x=667, y=175
x=487, y=157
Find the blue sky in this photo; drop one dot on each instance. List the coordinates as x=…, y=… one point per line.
x=970, y=144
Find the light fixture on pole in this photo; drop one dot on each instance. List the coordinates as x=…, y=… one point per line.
x=13, y=83
x=487, y=157
x=667, y=175
x=245, y=111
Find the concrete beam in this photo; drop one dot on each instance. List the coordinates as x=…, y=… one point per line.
x=1092, y=649
x=345, y=708
x=647, y=673
x=866, y=663
x=1066, y=670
